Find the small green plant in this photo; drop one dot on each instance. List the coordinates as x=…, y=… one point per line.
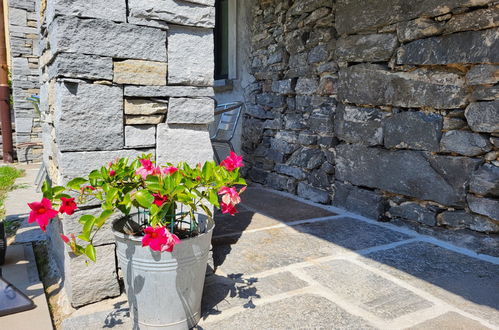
x=8, y=176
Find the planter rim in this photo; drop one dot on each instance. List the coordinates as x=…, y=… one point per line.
x=209, y=227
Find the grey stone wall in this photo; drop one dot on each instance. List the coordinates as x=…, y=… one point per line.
x=389, y=109
x=23, y=38
x=121, y=78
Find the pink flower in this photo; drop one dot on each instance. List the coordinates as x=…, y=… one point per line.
x=230, y=195
x=159, y=199
x=112, y=173
x=68, y=205
x=159, y=239
x=228, y=208
x=41, y=212
x=232, y=162
x=170, y=170
x=147, y=168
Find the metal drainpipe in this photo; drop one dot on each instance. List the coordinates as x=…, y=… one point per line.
x=5, y=120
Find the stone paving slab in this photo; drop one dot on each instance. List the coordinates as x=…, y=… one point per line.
x=462, y=281
x=367, y=290
x=280, y=207
x=277, y=247
x=450, y=321
x=222, y=293
x=299, y=312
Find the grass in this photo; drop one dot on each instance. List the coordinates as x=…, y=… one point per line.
x=8, y=176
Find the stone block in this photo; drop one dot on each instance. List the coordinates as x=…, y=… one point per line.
x=474, y=20
x=113, y=10
x=294, y=172
x=138, y=72
x=145, y=107
x=463, y=219
x=168, y=91
x=191, y=110
x=72, y=65
x=419, y=28
x=366, y=47
x=415, y=212
x=412, y=173
x=483, y=116
x=352, y=16
x=485, y=181
x=281, y=182
x=465, y=143
x=140, y=136
x=144, y=120
x=370, y=84
x=106, y=38
x=485, y=206
x=483, y=74
x=485, y=93
x=88, y=283
x=179, y=143
x=23, y=125
x=161, y=13
x=312, y=193
x=361, y=201
x=359, y=125
x=88, y=117
x=286, y=86
x=202, y=2
x=413, y=130
x=197, y=68
x=462, y=47
x=372, y=292
x=18, y=17
x=306, y=86
x=308, y=158
x=88, y=161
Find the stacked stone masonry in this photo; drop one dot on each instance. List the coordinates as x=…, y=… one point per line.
x=121, y=79
x=23, y=40
x=388, y=108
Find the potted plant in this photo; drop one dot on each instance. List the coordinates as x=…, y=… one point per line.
x=163, y=239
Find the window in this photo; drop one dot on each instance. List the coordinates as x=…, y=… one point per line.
x=225, y=39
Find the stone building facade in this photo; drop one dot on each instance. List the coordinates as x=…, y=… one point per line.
x=23, y=42
x=388, y=109
x=120, y=79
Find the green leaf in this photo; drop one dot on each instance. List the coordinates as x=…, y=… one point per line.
x=83, y=237
x=84, y=218
x=88, y=225
x=213, y=198
x=90, y=252
x=47, y=190
x=144, y=198
x=76, y=183
x=95, y=175
x=103, y=217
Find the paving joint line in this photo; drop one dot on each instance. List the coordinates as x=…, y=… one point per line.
x=281, y=225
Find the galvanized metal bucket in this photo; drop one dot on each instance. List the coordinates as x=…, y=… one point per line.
x=164, y=289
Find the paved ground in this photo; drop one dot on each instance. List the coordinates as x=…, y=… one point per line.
x=283, y=263
x=20, y=267
x=286, y=263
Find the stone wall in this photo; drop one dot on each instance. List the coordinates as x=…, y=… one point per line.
x=23, y=37
x=389, y=109
x=121, y=78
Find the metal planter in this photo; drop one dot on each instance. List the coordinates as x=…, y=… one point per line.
x=164, y=289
